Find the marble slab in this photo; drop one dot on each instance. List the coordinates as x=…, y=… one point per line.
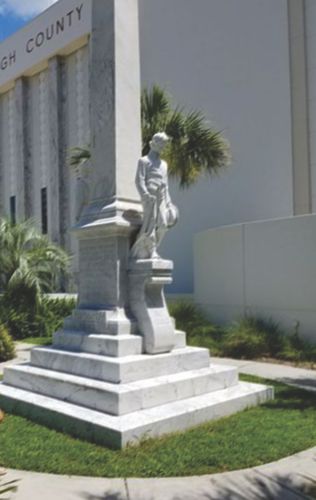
x=120, y=370
x=118, y=431
x=119, y=399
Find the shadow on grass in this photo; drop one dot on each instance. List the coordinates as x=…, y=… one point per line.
x=293, y=398
x=305, y=383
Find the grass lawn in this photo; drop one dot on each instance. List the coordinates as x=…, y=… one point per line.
x=256, y=436
x=38, y=340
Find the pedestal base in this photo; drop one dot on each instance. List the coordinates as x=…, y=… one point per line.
x=147, y=279
x=119, y=400
x=118, y=431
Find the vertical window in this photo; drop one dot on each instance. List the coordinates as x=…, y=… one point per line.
x=13, y=209
x=44, y=210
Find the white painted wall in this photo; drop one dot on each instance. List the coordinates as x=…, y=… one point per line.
x=230, y=59
x=265, y=268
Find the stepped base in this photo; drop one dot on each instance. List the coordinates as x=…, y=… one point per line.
x=119, y=399
x=118, y=431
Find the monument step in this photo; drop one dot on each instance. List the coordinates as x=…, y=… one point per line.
x=120, y=370
x=106, y=345
x=118, y=431
x=120, y=399
x=100, y=322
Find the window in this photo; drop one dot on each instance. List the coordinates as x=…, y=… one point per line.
x=13, y=209
x=44, y=210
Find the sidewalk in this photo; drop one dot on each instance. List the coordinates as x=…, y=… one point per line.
x=299, y=377
x=290, y=478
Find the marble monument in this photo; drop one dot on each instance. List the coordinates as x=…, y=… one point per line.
x=118, y=370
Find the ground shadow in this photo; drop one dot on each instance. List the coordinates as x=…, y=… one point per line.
x=109, y=495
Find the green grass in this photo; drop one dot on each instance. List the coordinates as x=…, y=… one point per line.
x=256, y=436
x=38, y=340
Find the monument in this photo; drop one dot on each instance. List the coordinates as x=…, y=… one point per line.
x=119, y=370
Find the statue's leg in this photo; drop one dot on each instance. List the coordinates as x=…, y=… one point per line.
x=161, y=227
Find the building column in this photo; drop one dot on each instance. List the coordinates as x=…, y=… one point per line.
x=302, y=203
x=22, y=151
x=58, y=185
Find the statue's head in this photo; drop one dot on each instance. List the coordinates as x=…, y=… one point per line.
x=159, y=142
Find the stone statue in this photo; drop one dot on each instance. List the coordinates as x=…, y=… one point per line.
x=159, y=212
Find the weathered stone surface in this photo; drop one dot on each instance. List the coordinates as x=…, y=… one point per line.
x=120, y=399
x=130, y=428
x=147, y=302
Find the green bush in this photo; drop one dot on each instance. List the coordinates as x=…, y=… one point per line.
x=187, y=315
x=7, y=350
x=41, y=319
x=243, y=340
x=249, y=338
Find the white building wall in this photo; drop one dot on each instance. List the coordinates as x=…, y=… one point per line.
x=230, y=59
x=265, y=269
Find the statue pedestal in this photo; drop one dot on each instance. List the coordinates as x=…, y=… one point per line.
x=147, y=279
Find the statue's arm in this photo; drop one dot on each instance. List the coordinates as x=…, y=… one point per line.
x=168, y=199
x=140, y=180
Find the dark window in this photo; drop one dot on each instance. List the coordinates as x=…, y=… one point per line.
x=44, y=210
x=13, y=209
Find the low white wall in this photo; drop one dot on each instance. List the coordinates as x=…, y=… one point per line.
x=265, y=268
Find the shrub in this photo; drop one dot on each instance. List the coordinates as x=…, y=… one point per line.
x=241, y=340
x=34, y=320
x=7, y=350
x=187, y=315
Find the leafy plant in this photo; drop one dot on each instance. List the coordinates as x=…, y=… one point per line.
x=34, y=320
x=243, y=340
x=7, y=350
x=29, y=263
x=195, y=148
x=187, y=315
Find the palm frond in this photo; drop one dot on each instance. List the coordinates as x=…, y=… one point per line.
x=195, y=148
x=78, y=156
x=28, y=260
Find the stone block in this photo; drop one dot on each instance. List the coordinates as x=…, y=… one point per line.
x=120, y=370
x=118, y=431
x=120, y=399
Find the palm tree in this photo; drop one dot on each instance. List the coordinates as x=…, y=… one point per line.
x=29, y=263
x=195, y=148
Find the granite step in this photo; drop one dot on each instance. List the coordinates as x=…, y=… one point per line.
x=105, y=345
x=120, y=370
x=119, y=399
x=118, y=431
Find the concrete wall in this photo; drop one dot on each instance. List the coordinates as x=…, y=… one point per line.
x=263, y=268
x=230, y=59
